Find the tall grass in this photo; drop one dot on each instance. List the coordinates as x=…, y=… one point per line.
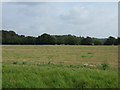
x=56, y=76
x=53, y=66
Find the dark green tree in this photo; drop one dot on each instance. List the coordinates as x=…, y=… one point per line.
x=97, y=41
x=10, y=37
x=46, y=39
x=60, y=39
x=110, y=41
x=72, y=40
x=87, y=41
x=118, y=41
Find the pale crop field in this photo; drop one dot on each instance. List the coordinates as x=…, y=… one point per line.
x=59, y=66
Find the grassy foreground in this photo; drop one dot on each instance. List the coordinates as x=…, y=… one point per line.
x=59, y=66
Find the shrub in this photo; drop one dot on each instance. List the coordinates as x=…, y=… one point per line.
x=89, y=53
x=49, y=62
x=105, y=66
x=14, y=62
x=24, y=62
x=83, y=56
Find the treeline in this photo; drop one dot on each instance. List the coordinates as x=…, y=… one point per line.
x=10, y=37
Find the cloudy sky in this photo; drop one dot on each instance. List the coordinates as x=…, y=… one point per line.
x=79, y=18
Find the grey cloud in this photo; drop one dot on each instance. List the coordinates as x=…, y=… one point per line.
x=61, y=18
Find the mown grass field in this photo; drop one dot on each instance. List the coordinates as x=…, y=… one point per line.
x=59, y=66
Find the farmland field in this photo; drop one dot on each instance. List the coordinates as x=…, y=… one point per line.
x=59, y=66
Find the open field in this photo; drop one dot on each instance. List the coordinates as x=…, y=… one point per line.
x=59, y=66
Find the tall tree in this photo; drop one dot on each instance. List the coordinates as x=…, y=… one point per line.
x=97, y=41
x=72, y=40
x=110, y=41
x=86, y=41
x=46, y=39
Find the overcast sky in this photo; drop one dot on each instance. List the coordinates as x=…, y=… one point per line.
x=81, y=19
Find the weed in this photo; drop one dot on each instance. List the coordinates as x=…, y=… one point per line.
x=71, y=65
x=105, y=66
x=89, y=53
x=83, y=56
x=49, y=62
x=85, y=65
x=14, y=62
x=24, y=62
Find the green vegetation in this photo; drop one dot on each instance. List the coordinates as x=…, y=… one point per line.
x=57, y=76
x=105, y=66
x=10, y=37
x=59, y=66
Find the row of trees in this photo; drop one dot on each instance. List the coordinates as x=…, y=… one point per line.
x=10, y=37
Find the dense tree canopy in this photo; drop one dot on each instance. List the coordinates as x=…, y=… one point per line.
x=46, y=39
x=111, y=41
x=71, y=40
x=10, y=37
x=87, y=41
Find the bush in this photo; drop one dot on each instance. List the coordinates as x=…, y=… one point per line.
x=24, y=62
x=49, y=62
x=105, y=66
x=14, y=62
